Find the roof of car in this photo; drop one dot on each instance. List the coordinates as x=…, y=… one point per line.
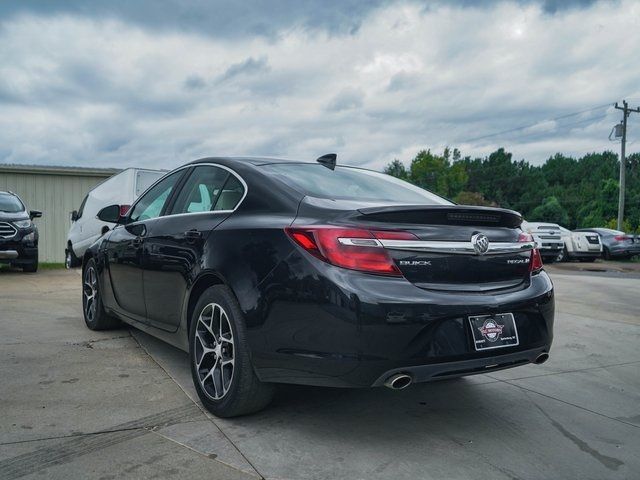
x=250, y=160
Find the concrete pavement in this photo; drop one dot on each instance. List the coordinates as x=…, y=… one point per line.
x=81, y=404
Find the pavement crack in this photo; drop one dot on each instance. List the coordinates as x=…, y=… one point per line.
x=89, y=343
x=611, y=463
x=208, y=456
x=569, y=403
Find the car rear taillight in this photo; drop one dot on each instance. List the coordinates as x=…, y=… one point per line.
x=535, y=264
x=620, y=238
x=124, y=209
x=352, y=248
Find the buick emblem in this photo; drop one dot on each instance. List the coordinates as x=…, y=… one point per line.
x=480, y=243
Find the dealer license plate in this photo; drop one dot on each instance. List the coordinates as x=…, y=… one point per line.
x=494, y=331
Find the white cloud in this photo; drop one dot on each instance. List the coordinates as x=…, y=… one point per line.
x=105, y=92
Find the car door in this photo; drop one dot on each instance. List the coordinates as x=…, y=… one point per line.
x=125, y=247
x=175, y=243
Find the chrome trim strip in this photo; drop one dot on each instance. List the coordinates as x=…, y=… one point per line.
x=8, y=254
x=360, y=242
x=189, y=165
x=463, y=248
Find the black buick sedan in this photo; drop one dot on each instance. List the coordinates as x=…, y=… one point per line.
x=269, y=271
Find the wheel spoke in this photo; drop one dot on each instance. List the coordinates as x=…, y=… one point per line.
x=216, y=376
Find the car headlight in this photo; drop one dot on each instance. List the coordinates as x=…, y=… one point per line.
x=31, y=237
x=23, y=223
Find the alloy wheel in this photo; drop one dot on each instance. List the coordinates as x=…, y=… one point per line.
x=213, y=351
x=90, y=293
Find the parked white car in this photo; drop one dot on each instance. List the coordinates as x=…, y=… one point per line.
x=548, y=238
x=583, y=246
x=121, y=189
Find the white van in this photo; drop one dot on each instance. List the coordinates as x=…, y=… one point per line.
x=121, y=189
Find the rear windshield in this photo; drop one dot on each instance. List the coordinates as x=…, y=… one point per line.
x=10, y=203
x=350, y=183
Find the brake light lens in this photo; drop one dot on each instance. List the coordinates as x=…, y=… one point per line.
x=352, y=248
x=620, y=238
x=535, y=265
x=124, y=209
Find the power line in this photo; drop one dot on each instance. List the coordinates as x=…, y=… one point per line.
x=561, y=128
x=523, y=127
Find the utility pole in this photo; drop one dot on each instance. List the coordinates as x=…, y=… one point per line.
x=626, y=111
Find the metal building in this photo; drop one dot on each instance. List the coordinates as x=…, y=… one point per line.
x=56, y=191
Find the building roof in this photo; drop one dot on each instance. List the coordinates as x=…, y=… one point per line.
x=57, y=170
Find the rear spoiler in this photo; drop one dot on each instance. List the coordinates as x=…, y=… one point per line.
x=444, y=215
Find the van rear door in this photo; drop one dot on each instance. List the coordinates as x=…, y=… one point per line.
x=144, y=179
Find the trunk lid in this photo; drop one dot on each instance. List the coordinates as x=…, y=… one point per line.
x=442, y=257
x=434, y=264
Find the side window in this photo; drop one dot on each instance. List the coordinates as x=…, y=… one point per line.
x=231, y=194
x=201, y=190
x=151, y=203
x=84, y=201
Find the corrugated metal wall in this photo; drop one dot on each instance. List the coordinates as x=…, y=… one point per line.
x=55, y=195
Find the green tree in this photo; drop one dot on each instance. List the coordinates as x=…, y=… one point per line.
x=473, y=198
x=550, y=211
x=396, y=169
x=577, y=192
x=431, y=172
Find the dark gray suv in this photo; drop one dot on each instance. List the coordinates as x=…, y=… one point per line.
x=18, y=233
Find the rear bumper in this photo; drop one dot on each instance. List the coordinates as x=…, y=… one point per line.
x=583, y=254
x=550, y=249
x=440, y=371
x=340, y=328
x=624, y=250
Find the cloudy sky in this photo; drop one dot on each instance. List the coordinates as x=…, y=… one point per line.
x=158, y=83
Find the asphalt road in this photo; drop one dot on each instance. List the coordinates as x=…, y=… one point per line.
x=119, y=404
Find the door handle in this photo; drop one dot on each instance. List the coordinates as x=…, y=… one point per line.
x=193, y=234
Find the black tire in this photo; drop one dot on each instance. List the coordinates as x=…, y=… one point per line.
x=94, y=314
x=30, y=267
x=245, y=394
x=70, y=259
x=606, y=253
x=562, y=256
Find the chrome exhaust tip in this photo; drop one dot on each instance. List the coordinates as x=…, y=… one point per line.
x=398, y=381
x=540, y=359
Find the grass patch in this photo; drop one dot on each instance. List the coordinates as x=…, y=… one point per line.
x=50, y=265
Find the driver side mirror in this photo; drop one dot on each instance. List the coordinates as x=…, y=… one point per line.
x=110, y=214
x=74, y=216
x=35, y=214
